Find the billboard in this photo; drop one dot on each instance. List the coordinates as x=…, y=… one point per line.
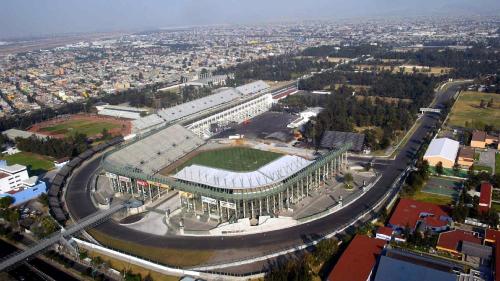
x=125, y=179
x=208, y=200
x=228, y=205
x=142, y=183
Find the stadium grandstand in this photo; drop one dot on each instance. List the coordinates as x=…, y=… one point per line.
x=335, y=139
x=224, y=195
x=249, y=100
x=157, y=150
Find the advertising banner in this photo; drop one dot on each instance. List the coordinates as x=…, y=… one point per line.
x=208, y=200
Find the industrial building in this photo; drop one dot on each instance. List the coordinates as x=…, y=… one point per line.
x=442, y=150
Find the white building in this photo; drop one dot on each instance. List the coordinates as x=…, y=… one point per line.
x=121, y=111
x=12, y=177
x=442, y=150
x=305, y=116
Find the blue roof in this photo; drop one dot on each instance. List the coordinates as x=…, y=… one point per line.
x=390, y=269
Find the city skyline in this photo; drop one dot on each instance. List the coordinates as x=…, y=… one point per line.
x=29, y=18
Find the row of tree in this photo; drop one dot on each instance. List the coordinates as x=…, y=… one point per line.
x=57, y=148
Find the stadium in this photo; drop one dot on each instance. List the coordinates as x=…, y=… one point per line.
x=225, y=180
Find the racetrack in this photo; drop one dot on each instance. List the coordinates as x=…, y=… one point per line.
x=80, y=205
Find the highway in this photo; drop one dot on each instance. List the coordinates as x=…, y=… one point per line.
x=80, y=205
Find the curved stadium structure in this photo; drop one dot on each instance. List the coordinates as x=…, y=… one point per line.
x=134, y=168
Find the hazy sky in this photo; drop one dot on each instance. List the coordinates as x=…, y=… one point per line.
x=20, y=18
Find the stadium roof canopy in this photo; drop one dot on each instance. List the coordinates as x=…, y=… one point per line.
x=253, y=88
x=198, y=105
x=272, y=172
x=335, y=139
x=443, y=147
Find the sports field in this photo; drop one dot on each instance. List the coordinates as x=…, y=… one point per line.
x=443, y=187
x=86, y=127
x=37, y=163
x=238, y=159
x=467, y=109
x=90, y=125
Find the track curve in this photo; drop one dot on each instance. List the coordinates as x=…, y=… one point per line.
x=80, y=205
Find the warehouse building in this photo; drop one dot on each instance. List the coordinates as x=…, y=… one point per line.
x=442, y=150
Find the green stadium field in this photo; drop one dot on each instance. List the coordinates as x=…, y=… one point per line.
x=87, y=127
x=238, y=159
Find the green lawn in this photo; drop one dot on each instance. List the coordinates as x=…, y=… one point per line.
x=466, y=109
x=238, y=159
x=432, y=198
x=495, y=206
x=87, y=127
x=497, y=163
x=37, y=163
x=166, y=255
x=481, y=168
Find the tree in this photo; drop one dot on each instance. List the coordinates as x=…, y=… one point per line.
x=324, y=250
x=490, y=103
x=439, y=168
x=6, y=201
x=348, y=179
x=456, y=169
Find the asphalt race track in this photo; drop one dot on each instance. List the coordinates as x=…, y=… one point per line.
x=80, y=205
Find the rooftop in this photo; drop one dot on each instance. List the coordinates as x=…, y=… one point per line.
x=452, y=240
x=443, y=147
x=409, y=212
x=362, y=254
x=466, y=152
x=274, y=171
x=391, y=269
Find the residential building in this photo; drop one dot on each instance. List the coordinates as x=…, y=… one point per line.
x=361, y=254
x=420, y=216
x=466, y=157
x=485, y=197
x=481, y=139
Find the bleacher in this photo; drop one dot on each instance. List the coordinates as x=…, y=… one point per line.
x=195, y=106
x=336, y=139
x=157, y=150
x=147, y=122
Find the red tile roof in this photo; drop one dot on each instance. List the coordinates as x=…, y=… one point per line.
x=452, y=239
x=384, y=230
x=497, y=260
x=358, y=260
x=492, y=235
x=485, y=197
x=479, y=136
x=409, y=212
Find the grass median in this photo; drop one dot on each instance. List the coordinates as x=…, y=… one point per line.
x=166, y=256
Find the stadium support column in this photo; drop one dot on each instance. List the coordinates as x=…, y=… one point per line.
x=287, y=199
x=267, y=204
x=327, y=171
x=260, y=207
x=251, y=211
x=236, y=214
x=150, y=195
x=274, y=204
x=301, y=188
x=244, y=209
